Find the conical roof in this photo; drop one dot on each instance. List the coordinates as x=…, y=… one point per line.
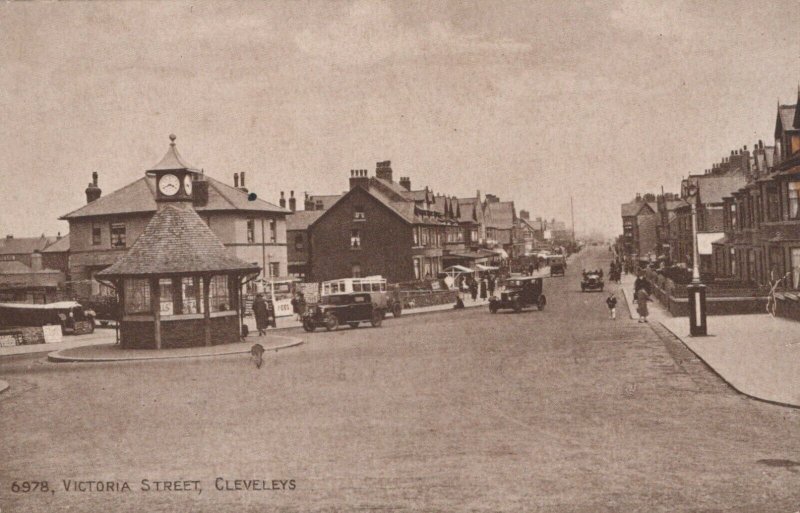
x=176, y=241
x=172, y=160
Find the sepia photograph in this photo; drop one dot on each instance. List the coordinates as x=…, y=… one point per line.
x=400, y=256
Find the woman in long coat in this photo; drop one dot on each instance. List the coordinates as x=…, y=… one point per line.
x=641, y=300
x=261, y=314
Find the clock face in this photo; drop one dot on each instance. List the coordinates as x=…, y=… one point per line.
x=169, y=185
x=187, y=185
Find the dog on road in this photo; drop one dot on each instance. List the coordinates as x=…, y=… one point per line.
x=257, y=352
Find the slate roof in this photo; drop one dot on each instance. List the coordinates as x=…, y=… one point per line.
x=713, y=188
x=500, y=214
x=176, y=241
x=327, y=200
x=302, y=219
x=631, y=209
x=468, y=206
x=139, y=197
x=24, y=245
x=14, y=267
x=59, y=246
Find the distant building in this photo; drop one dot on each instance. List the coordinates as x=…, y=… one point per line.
x=639, y=222
x=27, y=273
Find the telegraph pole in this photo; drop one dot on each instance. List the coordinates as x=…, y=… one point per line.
x=572, y=214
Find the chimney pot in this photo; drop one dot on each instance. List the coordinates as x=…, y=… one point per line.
x=236, y=180
x=94, y=178
x=241, y=178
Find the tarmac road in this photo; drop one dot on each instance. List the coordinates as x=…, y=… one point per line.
x=560, y=410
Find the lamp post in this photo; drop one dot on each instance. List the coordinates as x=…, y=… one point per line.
x=696, y=289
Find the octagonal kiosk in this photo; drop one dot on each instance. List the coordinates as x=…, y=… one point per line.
x=178, y=286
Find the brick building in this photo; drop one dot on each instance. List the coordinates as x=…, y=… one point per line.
x=382, y=227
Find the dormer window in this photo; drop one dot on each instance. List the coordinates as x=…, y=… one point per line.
x=355, y=239
x=358, y=214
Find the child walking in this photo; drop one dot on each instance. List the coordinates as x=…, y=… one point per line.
x=611, y=301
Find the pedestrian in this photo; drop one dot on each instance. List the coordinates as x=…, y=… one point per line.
x=299, y=305
x=473, y=288
x=490, y=285
x=611, y=302
x=260, y=311
x=641, y=283
x=642, y=297
x=484, y=286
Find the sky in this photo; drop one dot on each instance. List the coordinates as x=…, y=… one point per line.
x=535, y=102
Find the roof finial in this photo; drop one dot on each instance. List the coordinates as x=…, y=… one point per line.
x=172, y=138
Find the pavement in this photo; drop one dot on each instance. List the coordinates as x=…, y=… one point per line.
x=113, y=353
x=756, y=354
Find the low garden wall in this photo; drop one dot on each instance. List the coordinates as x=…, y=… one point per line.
x=721, y=298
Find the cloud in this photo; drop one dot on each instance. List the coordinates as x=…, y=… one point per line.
x=369, y=32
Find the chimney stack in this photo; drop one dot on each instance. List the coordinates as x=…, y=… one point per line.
x=309, y=203
x=359, y=177
x=92, y=190
x=383, y=170
x=236, y=180
x=282, y=201
x=292, y=202
x=405, y=183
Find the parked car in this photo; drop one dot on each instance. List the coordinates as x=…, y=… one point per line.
x=351, y=309
x=385, y=296
x=518, y=293
x=592, y=280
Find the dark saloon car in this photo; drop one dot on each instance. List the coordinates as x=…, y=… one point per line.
x=351, y=309
x=519, y=292
x=592, y=280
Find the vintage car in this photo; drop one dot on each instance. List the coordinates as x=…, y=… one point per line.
x=73, y=318
x=518, y=293
x=592, y=280
x=558, y=268
x=336, y=309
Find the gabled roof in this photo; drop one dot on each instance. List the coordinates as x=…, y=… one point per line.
x=176, y=241
x=787, y=117
x=635, y=207
x=24, y=245
x=59, y=246
x=500, y=214
x=302, y=219
x=139, y=197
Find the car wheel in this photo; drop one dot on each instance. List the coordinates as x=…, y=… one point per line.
x=377, y=318
x=516, y=306
x=331, y=322
x=353, y=324
x=309, y=325
x=397, y=309
x=541, y=303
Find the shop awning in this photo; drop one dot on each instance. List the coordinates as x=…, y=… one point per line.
x=458, y=269
x=482, y=267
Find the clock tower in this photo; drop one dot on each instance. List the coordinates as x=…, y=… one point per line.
x=174, y=177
